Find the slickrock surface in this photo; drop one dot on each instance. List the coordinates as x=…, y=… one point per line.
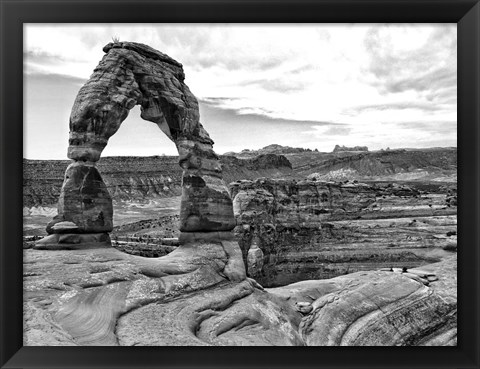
x=85, y=291
x=379, y=308
x=311, y=229
x=199, y=296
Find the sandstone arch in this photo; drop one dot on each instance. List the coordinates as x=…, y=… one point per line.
x=135, y=74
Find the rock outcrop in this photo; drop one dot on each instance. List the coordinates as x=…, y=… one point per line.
x=85, y=291
x=135, y=74
x=378, y=308
x=338, y=148
x=270, y=149
x=428, y=165
x=105, y=297
x=315, y=230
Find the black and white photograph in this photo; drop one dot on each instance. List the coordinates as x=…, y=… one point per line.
x=235, y=184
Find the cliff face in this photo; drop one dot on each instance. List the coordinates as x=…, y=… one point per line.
x=42, y=180
x=141, y=178
x=127, y=178
x=433, y=164
x=315, y=230
x=266, y=165
x=422, y=164
x=138, y=178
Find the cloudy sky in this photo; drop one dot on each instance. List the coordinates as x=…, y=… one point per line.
x=311, y=86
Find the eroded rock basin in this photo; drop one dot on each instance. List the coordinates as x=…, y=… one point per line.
x=198, y=296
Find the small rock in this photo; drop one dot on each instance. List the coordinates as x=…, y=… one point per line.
x=254, y=259
x=450, y=246
x=416, y=278
x=386, y=269
x=421, y=273
x=303, y=307
x=64, y=227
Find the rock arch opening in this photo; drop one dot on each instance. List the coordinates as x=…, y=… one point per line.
x=133, y=74
x=137, y=137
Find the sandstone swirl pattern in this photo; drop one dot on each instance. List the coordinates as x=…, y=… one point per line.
x=105, y=297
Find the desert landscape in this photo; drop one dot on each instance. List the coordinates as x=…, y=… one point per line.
x=283, y=246
x=327, y=215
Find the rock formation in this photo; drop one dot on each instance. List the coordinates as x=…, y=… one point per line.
x=379, y=308
x=105, y=297
x=310, y=229
x=338, y=148
x=135, y=74
x=144, y=178
x=254, y=258
x=270, y=149
x=436, y=164
x=207, y=254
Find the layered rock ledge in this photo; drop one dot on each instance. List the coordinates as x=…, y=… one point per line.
x=296, y=230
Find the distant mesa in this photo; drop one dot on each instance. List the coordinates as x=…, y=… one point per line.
x=339, y=148
x=271, y=149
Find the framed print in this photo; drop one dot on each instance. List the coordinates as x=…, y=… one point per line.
x=228, y=184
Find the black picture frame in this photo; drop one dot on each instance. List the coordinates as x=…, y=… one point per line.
x=14, y=13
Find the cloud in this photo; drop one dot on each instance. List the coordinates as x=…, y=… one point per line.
x=337, y=131
x=423, y=106
x=46, y=77
x=245, y=114
x=410, y=57
x=303, y=85
x=436, y=128
x=433, y=80
x=43, y=56
x=277, y=85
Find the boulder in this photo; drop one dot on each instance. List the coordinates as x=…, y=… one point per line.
x=64, y=227
x=73, y=241
x=254, y=259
